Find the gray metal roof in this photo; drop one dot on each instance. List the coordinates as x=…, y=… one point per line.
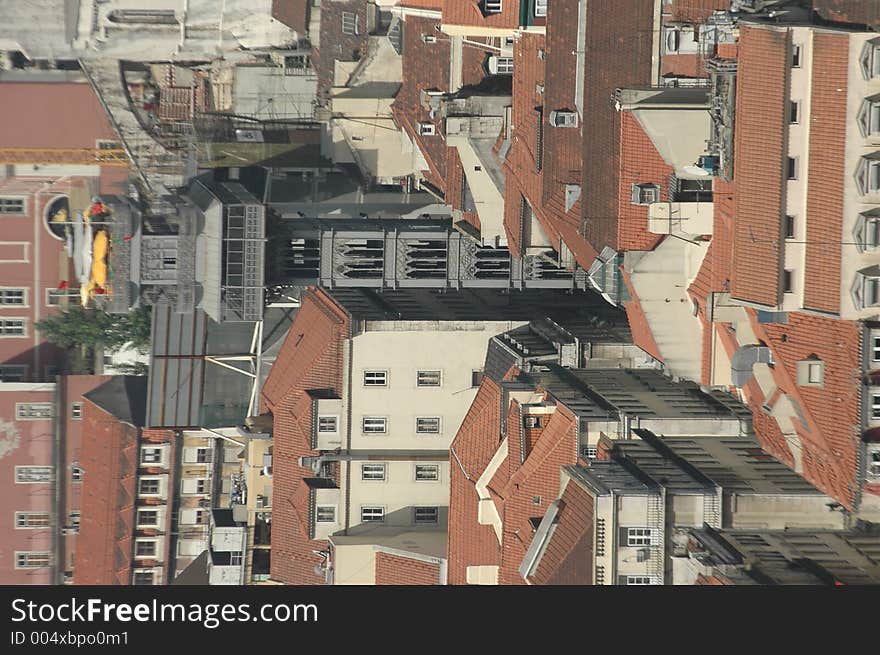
x=123, y=396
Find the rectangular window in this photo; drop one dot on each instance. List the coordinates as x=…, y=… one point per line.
x=787, y=281
x=375, y=378
x=13, y=297
x=12, y=373
x=76, y=411
x=795, y=56
x=476, y=378
x=76, y=473
x=789, y=227
x=151, y=455
x=325, y=514
x=638, y=536
x=12, y=327
x=143, y=577
x=33, y=474
x=148, y=487
x=372, y=471
x=203, y=455
x=427, y=472
x=792, y=168
x=492, y=6
x=875, y=406
x=425, y=128
x=794, y=112
x=428, y=378
x=638, y=579
x=148, y=517
x=349, y=22
x=875, y=349
x=13, y=206
x=540, y=8
x=32, y=520
x=428, y=425
x=372, y=514
x=32, y=560
x=374, y=425
x=145, y=548
x=33, y=411
x=73, y=520
x=328, y=424
x=425, y=514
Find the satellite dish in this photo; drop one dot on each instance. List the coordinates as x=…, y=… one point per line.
x=695, y=170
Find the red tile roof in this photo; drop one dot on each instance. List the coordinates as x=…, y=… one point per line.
x=864, y=12
x=422, y=4
x=467, y=12
x=398, y=570
x=338, y=44
x=293, y=13
x=619, y=45
x=310, y=359
x=696, y=11
x=470, y=543
x=825, y=175
x=640, y=163
x=642, y=335
x=760, y=163
x=682, y=66
x=568, y=556
x=109, y=458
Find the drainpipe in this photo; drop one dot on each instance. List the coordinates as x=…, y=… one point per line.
x=58, y=483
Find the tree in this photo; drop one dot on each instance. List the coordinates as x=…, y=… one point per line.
x=91, y=328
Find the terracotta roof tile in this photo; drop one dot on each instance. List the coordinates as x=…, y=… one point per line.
x=828, y=121
x=638, y=322
x=467, y=12
x=422, y=4
x=398, y=570
x=310, y=359
x=640, y=163
x=696, y=11
x=685, y=65
x=568, y=555
x=619, y=45
x=338, y=44
x=863, y=12
x=293, y=13
x=760, y=163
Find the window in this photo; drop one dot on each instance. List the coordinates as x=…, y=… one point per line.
x=12, y=206
x=428, y=378
x=375, y=378
x=349, y=22
x=563, y=118
x=76, y=411
x=789, y=227
x=372, y=471
x=429, y=38
x=792, y=168
x=491, y=6
x=869, y=233
x=589, y=452
x=12, y=373
x=425, y=128
x=638, y=579
x=372, y=514
x=32, y=474
x=169, y=262
x=532, y=422
x=810, y=372
x=143, y=577
x=428, y=425
x=794, y=109
x=374, y=424
x=868, y=174
x=31, y=520
x=815, y=373
x=328, y=424
x=787, y=281
x=12, y=327
x=33, y=411
x=77, y=473
x=540, y=8
x=427, y=472
x=875, y=349
x=645, y=194
x=73, y=520
x=151, y=455
x=870, y=291
x=203, y=455
x=501, y=65
x=875, y=406
x=148, y=517
x=148, y=487
x=639, y=536
x=870, y=59
x=13, y=297
x=795, y=56
x=476, y=378
x=145, y=548
x=874, y=463
x=32, y=560
x=425, y=514
x=325, y=514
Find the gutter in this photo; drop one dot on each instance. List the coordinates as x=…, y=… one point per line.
x=59, y=482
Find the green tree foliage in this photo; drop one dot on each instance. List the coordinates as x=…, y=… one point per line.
x=91, y=328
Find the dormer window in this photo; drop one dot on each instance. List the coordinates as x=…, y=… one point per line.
x=867, y=230
x=811, y=372
x=540, y=8
x=501, y=65
x=868, y=174
x=869, y=116
x=490, y=6
x=866, y=288
x=560, y=118
x=425, y=128
x=645, y=194
x=870, y=59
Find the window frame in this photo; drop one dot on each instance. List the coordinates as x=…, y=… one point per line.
x=27, y=554
x=788, y=280
x=6, y=201
x=144, y=480
x=789, y=226
x=420, y=419
x=350, y=23
x=380, y=472
x=20, y=414
x=372, y=514
x=21, y=292
x=540, y=10
x=76, y=411
x=376, y=374
x=796, y=55
x=794, y=112
x=426, y=382
x=11, y=320
x=318, y=513
x=634, y=580
x=875, y=348
x=19, y=473
x=431, y=511
x=430, y=467
x=492, y=6
x=327, y=417
x=146, y=510
x=154, y=550
x=793, y=168
x=26, y=515
x=377, y=419
x=19, y=376
x=639, y=537
x=875, y=406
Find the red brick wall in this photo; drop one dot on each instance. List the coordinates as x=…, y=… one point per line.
x=395, y=570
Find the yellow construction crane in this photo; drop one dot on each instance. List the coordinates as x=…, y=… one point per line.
x=81, y=156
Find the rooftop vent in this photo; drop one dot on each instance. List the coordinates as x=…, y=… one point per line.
x=560, y=118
